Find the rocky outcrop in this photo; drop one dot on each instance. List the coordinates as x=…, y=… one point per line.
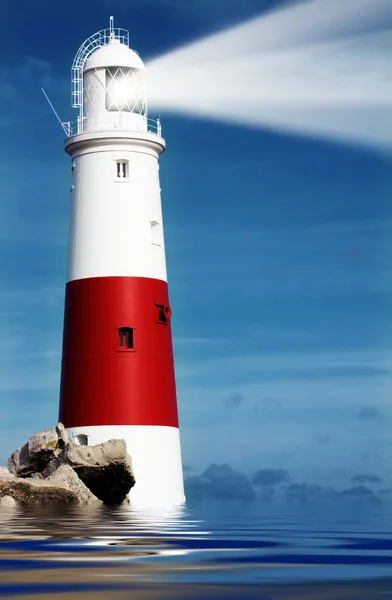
x=4, y=472
x=106, y=469
x=35, y=491
x=51, y=468
x=41, y=448
x=65, y=477
x=7, y=501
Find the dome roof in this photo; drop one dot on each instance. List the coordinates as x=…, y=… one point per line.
x=114, y=54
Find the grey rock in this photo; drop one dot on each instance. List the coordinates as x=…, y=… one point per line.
x=4, y=472
x=13, y=461
x=66, y=477
x=54, y=438
x=51, y=467
x=35, y=491
x=106, y=469
x=7, y=501
x=62, y=486
x=62, y=435
x=41, y=448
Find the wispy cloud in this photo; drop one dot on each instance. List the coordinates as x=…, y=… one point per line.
x=220, y=11
x=30, y=74
x=337, y=365
x=223, y=483
x=300, y=260
x=195, y=341
x=233, y=400
x=324, y=438
x=29, y=359
x=371, y=413
x=366, y=479
x=265, y=477
x=220, y=482
x=23, y=298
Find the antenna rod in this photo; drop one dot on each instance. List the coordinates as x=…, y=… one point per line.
x=111, y=28
x=63, y=125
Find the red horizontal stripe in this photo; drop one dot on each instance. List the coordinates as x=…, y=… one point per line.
x=102, y=385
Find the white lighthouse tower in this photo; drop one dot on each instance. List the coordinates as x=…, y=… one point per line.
x=117, y=378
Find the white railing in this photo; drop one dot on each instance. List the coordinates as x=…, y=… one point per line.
x=112, y=123
x=97, y=40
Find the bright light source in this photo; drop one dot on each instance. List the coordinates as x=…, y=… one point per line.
x=125, y=90
x=120, y=92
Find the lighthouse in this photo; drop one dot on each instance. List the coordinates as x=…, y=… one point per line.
x=117, y=373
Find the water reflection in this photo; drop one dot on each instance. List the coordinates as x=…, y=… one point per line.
x=116, y=549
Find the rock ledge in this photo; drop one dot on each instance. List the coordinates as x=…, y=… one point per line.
x=51, y=468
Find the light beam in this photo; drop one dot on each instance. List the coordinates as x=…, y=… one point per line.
x=320, y=68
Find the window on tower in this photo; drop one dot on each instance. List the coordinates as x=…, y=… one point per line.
x=126, y=338
x=122, y=169
x=163, y=313
x=82, y=439
x=155, y=233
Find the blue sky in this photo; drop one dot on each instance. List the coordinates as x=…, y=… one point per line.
x=279, y=261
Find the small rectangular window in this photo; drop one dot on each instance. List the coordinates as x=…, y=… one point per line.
x=82, y=439
x=125, y=337
x=163, y=314
x=122, y=169
x=155, y=233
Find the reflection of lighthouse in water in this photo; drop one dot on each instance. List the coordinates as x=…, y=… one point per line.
x=117, y=376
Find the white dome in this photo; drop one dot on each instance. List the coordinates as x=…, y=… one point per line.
x=114, y=54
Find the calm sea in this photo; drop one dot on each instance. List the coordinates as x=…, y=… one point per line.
x=120, y=553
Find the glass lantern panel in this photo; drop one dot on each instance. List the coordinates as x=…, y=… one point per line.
x=125, y=90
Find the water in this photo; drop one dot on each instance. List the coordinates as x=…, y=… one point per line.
x=319, y=68
x=120, y=553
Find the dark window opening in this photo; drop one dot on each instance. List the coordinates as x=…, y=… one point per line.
x=126, y=337
x=122, y=169
x=164, y=313
x=82, y=439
